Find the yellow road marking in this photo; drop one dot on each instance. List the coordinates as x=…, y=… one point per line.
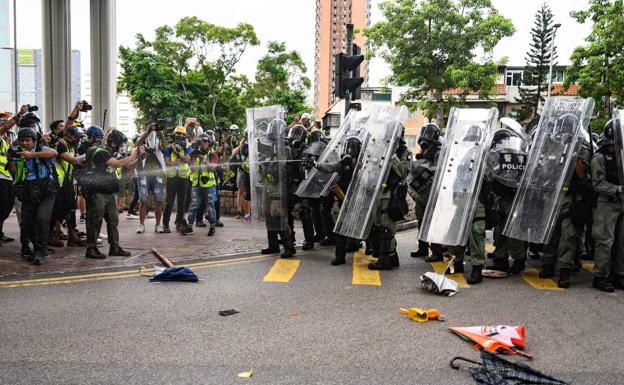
x=120, y=274
x=361, y=274
x=439, y=267
x=588, y=265
x=530, y=275
x=282, y=271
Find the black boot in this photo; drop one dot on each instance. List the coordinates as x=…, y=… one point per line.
x=602, y=284
x=564, y=279
x=94, y=253
x=273, y=243
x=517, y=267
x=289, y=247
x=475, y=275
x=117, y=251
x=385, y=250
x=618, y=282
x=500, y=264
x=308, y=246
x=548, y=271
x=434, y=258
x=341, y=250
x=394, y=259
x=422, y=252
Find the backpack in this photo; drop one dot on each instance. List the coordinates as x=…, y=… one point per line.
x=94, y=181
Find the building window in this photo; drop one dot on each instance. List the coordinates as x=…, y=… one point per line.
x=558, y=75
x=514, y=78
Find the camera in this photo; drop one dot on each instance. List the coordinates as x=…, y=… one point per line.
x=53, y=139
x=160, y=123
x=86, y=106
x=13, y=150
x=204, y=179
x=32, y=108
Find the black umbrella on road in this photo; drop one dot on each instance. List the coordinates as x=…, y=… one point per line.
x=495, y=370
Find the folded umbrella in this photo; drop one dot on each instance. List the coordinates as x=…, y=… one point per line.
x=495, y=370
x=175, y=274
x=498, y=338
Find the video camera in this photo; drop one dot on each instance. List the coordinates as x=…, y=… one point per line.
x=53, y=139
x=32, y=108
x=161, y=123
x=86, y=106
x=12, y=152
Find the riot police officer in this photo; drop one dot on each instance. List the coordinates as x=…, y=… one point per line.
x=344, y=167
x=608, y=273
x=297, y=138
x=420, y=180
x=385, y=226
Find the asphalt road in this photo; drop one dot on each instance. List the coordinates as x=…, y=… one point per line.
x=318, y=328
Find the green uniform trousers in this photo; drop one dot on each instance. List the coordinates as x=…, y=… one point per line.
x=102, y=207
x=608, y=233
x=476, y=239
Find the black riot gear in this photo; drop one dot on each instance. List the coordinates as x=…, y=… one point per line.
x=429, y=135
x=317, y=136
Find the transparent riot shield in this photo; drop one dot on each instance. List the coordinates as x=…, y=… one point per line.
x=461, y=164
x=384, y=128
x=618, y=127
x=549, y=168
x=267, y=162
x=507, y=158
x=319, y=183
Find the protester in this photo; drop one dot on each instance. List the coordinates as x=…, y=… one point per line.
x=151, y=174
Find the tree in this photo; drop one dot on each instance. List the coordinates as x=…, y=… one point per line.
x=187, y=70
x=598, y=67
x=430, y=46
x=535, y=75
x=280, y=79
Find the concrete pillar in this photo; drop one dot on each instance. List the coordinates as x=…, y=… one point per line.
x=103, y=62
x=56, y=54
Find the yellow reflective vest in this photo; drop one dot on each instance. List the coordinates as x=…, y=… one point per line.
x=202, y=176
x=4, y=158
x=181, y=169
x=63, y=167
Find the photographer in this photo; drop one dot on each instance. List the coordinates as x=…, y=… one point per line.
x=99, y=186
x=177, y=158
x=35, y=187
x=239, y=156
x=65, y=202
x=95, y=136
x=7, y=198
x=152, y=173
x=203, y=179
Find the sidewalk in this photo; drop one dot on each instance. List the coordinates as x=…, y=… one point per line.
x=237, y=237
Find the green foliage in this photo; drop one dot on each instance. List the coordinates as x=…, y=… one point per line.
x=188, y=70
x=430, y=47
x=280, y=80
x=598, y=67
x=535, y=75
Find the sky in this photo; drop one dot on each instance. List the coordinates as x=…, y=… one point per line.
x=291, y=21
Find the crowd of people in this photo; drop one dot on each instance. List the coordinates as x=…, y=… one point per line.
x=48, y=176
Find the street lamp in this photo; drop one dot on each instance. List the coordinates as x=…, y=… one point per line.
x=552, y=48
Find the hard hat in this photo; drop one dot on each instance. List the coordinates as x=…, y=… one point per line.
x=179, y=130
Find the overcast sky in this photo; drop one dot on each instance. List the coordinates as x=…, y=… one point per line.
x=291, y=21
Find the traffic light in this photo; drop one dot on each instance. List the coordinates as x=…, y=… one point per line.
x=344, y=82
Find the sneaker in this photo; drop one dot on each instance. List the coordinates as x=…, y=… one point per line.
x=83, y=218
x=159, y=229
x=219, y=224
x=118, y=252
x=200, y=224
x=166, y=229
x=132, y=215
x=141, y=229
x=248, y=218
x=103, y=236
x=94, y=253
x=212, y=231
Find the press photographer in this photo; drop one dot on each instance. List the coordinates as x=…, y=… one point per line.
x=35, y=187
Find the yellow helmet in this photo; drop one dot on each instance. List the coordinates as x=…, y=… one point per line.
x=179, y=130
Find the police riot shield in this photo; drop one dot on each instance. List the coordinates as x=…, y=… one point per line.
x=319, y=183
x=508, y=156
x=384, y=129
x=618, y=127
x=267, y=162
x=549, y=168
x=461, y=164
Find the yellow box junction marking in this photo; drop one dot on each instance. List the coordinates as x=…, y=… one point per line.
x=588, y=265
x=282, y=271
x=439, y=267
x=530, y=275
x=361, y=274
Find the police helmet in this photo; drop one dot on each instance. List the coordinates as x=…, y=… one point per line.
x=317, y=136
x=352, y=146
x=429, y=135
x=297, y=135
x=117, y=137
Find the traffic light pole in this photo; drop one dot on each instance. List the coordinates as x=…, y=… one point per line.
x=349, y=51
